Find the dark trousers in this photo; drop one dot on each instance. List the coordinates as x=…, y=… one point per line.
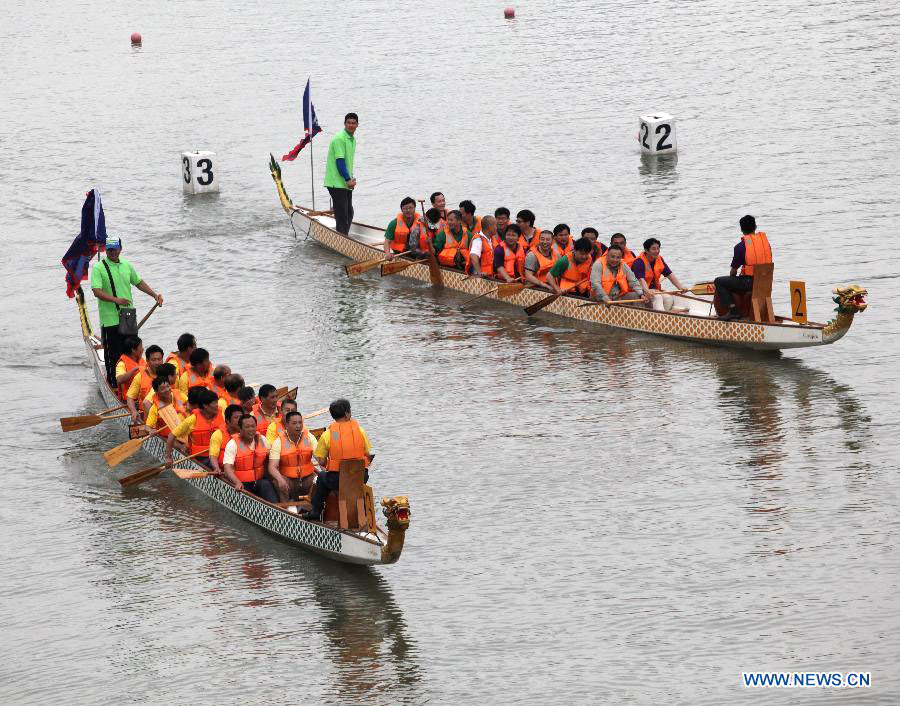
x=325, y=483
x=342, y=201
x=112, y=350
x=726, y=286
x=263, y=488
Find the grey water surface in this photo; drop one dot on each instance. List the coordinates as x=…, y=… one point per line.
x=597, y=516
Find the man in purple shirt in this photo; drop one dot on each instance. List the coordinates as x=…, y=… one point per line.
x=726, y=287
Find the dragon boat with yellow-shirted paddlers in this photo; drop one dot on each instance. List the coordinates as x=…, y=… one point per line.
x=693, y=316
x=357, y=540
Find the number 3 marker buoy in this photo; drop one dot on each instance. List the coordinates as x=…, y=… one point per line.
x=199, y=174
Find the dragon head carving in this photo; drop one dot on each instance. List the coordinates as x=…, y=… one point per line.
x=397, y=512
x=851, y=299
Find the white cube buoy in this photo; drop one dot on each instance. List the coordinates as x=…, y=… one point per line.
x=656, y=134
x=198, y=173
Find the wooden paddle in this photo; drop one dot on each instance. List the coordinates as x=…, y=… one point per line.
x=317, y=413
x=434, y=269
x=702, y=288
x=154, y=471
x=119, y=453
x=90, y=420
x=392, y=267
x=283, y=392
x=147, y=316
x=617, y=301
x=357, y=268
x=507, y=289
x=547, y=301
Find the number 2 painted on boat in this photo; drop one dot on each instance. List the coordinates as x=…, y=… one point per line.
x=798, y=301
x=667, y=129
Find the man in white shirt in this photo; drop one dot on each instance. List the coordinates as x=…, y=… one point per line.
x=245, y=460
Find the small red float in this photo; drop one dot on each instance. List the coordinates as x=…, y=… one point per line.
x=509, y=13
x=136, y=38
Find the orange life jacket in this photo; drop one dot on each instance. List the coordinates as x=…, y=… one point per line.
x=296, y=459
x=180, y=365
x=574, y=275
x=262, y=421
x=652, y=273
x=513, y=261
x=202, y=431
x=608, y=279
x=176, y=403
x=130, y=364
x=487, y=255
x=628, y=257
x=196, y=380
x=757, y=251
x=558, y=252
x=452, y=246
x=400, y=243
x=249, y=463
x=219, y=390
x=225, y=438
x=527, y=245
x=476, y=228
x=544, y=263
x=346, y=444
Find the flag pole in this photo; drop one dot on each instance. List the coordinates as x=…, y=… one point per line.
x=312, y=178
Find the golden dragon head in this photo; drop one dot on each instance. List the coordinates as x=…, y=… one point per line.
x=397, y=512
x=851, y=299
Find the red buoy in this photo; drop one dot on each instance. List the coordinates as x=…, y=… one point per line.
x=509, y=13
x=135, y=37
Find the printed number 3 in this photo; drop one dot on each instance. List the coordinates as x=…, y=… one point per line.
x=206, y=174
x=187, y=170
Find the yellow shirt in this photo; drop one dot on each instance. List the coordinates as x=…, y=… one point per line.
x=216, y=441
x=325, y=443
x=151, y=396
x=134, y=389
x=272, y=432
x=153, y=417
x=186, y=427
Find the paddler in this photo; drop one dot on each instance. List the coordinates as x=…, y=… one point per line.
x=613, y=280
x=650, y=268
x=186, y=344
x=344, y=440
x=627, y=256
x=593, y=235
x=502, y=215
x=142, y=383
x=111, y=282
x=509, y=256
x=220, y=372
x=291, y=459
x=232, y=383
x=166, y=372
x=481, y=249
x=167, y=396
x=400, y=230
x=244, y=461
x=220, y=437
x=266, y=410
x=471, y=222
x=277, y=427
x=562, y=241
x=433, y=224
x=539, y=260
x=198, y=426
x=439, y=202
x=198, y=372
x=527, y=232
x=752, y=249
x=247, y=399
x=452, y=243
x=130, y=363
x=571, y=273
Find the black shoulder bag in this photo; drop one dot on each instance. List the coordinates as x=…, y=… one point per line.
x=127, y=314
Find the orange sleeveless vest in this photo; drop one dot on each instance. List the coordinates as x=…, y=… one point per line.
x=177, y=404
x=574, y=275
x=757, y=251
x=202, y=431
x=296, y=459
x=476, y=228
x=652, y=273
x=249, y=464
x=401, y=233
x=487, y=255
x=346, y=444
x=527, y=245
x=452, y=246
x=175, y=360
x=558, y=252
x=130, y=365
x=262, y=421
x=196, y=380
x=513, y=261
x=608, y=279
x=628, y=257
x=544, y=263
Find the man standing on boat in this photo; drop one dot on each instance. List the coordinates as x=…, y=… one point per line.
x=752, y=249
x=339, y=179
x=111, y=282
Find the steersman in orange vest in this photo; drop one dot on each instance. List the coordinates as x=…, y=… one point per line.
x=244, y=461
x=344, y=440
x=406, y=223
x=291, y=465
x=753, y=249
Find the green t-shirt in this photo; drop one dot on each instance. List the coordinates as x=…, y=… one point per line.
x=343, y=146
x=440, y=240
x=559, y=267
x=124, y=275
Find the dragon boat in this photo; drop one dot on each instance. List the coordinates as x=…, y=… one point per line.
x=693, y=317
x=367, y=546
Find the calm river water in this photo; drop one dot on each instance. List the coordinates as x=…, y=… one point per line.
x=598, y=517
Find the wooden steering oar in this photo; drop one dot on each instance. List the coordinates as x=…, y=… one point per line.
x=119, y=453
x=547, y=301
x=507, y=289
x=90, y=420
x=147, y=315
x=154, y=471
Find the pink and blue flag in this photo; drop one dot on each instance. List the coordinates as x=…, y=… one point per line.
x=310, y=126
x=90, y=241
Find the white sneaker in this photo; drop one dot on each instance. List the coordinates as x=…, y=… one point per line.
x=293, y=509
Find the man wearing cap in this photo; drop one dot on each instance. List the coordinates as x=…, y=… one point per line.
x=339, y=179
x=111, y=282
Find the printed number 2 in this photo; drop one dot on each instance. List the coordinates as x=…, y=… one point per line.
x=798, y=307
x=187, y=170
x=205, y=177
x=666, y=129
x=645, y=132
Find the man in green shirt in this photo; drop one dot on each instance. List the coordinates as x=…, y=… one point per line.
x=339, y=179
x=456, y=255
x=111, y=282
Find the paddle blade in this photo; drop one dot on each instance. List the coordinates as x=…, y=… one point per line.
x=317, y=413
x=83, y=422
x=141, y=476
x=703, y=288
x=537, y=306
x=358, y=268
x=395, y=266
x=510, y=289
x=119, y=453
x=434, y=271
x=317, y=432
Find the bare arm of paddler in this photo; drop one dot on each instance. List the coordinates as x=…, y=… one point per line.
x=182, y=430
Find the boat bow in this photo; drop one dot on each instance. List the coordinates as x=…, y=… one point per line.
x=850, y=301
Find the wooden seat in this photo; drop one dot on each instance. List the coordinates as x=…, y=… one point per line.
x=756, y=304
x=351, y=495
